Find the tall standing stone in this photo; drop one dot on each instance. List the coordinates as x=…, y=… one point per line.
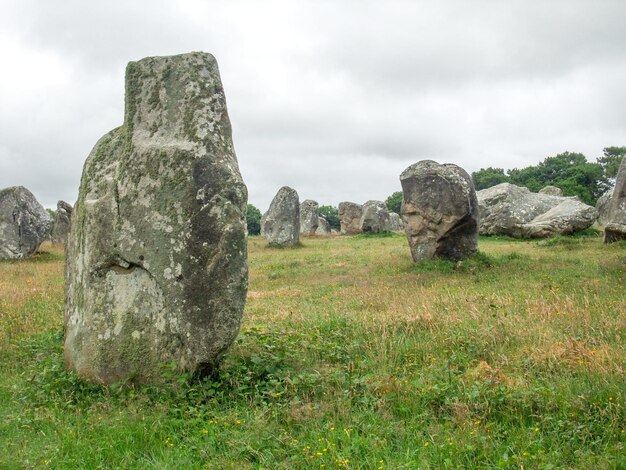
x=62, y=222
x=281, y=222
x=615, y=229
x=439, y=210
x=395, y=222
x=309, y=217
x=24, y=223
x=156, y=265
x=375, y=218
x=350, y=217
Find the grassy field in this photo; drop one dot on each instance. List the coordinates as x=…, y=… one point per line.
x=350, y=356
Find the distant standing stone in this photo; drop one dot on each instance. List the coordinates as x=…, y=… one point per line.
x=602, y=206
x=323, y=227
x=62, y=222
x=551, y=190
x=395, y=222
x=375, y=217
x=615, y=229
x=156, y=265
x=281, y=222
x=350, y=217
x=24, y=223
x=309, y=217
x=439, y=210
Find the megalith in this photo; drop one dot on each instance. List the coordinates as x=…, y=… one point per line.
x=615, y=228
x=309, y=217
x=375, y=218
x=323, y=227
x=24, y=223
x=395, y=222
x=280, y=225
x=350, y=217
x=156, y=264
x=439, y=210
x=62, y=222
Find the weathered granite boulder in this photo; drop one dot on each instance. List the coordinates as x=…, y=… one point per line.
x=395, y=222
x=375, y=217
x=602, y=206
x=280, y=225
x=615, y=229
x=156, y=265
x=439, y=210
x=506, y=209
x=350, y=217
x=323, y=227
x=309, y=217
x=551, y=190
x=24, y=223
x=62, y=222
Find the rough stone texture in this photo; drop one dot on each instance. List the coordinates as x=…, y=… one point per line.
x=551, y=190
x=156, y=265
x=506, y=209
x=375, y=217
x=24, y=223
x=323, y=227
x=62, y=222
x=280, y=225
x=615, y=229
x=439, y=210
x=309, y=217
x=602, y=206
x=350, y=217
x=395, y=222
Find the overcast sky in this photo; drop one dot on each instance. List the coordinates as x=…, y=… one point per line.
x=333, y=98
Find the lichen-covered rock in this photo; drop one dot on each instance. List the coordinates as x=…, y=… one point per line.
x=280, y=225
x=551, y=190
x=156, y=265
x=395, y=222
x=309, y=217
x=615, y=229
x=350, y=217
x=323, y=227
x=507, y=209
x=62, y=222
x=375, y=218
x=24, y=223
x=602, y=206
x=439, y=210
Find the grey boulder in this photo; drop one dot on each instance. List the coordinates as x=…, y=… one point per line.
x=439, y=210
x=24, y=223
x=280, y=225
x=309, y=217
x=323, y=227
x=62, y=222
x=507, y=209
x=156, y=265
x=375, y=217
x=615, y=229
x=602, y=206
x=350, y=215
x=395, y=222
x=551, y=190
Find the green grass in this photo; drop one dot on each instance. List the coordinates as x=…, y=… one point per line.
x=350, y=356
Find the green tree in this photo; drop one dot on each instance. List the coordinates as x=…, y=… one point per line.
x=611, y=159
x=331, y=214
x=488, y=177
x=253, y=218
x=394, y=202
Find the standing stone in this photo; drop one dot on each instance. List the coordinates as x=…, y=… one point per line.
x=551, y=190
x=281, y=223
x=350, y=217
x=62, y=222
x=602, y=206
x=309, y=217
x=323, y=228
x=439, y=210
x=615, y=229
x=375, y=217
x=395, y=222
x=24, y=223
x=156, y=265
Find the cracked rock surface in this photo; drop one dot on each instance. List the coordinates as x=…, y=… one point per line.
x=156, y=258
